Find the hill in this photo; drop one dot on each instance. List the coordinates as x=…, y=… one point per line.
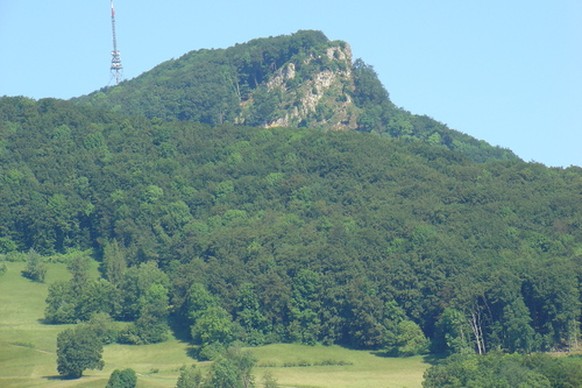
x=300, y=80
x=28, y=351
x=303, y=235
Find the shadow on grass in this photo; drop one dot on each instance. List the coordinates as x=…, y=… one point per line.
x=59, y=378
x=43, y=321
x=193, y=352
x=431, y=359
x=182, y=334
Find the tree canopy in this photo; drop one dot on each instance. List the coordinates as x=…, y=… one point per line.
x=292, y=234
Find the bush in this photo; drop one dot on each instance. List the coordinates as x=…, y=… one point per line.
x=104, y=327
x=209, y=352
x=122, y=379
x=35, y=268
x=16, y=257
x=190, y=377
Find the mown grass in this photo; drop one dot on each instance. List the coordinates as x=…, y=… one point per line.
x=333, y=366
x=28, y=346
x=28, y=351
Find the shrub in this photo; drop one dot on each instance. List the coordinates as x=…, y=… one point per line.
x=35, y=268
x=122, y=379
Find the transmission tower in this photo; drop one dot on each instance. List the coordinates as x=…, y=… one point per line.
x=116, y=66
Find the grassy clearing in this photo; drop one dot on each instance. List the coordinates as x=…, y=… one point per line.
x=28, y=351
x=334, y=366
x=28, y=347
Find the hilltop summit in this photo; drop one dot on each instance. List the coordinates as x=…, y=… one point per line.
x=298, y=80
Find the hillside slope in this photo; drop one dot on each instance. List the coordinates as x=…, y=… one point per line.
x=300, y=80
x=331, y=237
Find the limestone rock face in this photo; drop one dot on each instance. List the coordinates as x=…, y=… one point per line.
x=314, y=90
x=300, y=80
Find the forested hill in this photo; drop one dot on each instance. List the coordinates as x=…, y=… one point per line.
x=296, y=234
x=300, y=80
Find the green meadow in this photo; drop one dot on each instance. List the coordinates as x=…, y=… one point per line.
x=28, y=352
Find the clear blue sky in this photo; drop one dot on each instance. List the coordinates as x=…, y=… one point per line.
x=505, y=71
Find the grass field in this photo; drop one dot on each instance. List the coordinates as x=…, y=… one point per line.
x=334, y=366
x=28, y=352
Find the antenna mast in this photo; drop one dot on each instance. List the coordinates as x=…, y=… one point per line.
x=116, y=67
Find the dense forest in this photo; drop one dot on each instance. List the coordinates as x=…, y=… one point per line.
x=406, y=242
x=294, y=234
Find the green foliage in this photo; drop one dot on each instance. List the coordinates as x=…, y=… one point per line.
x=78, y=349
x=269, y=381
x=232, y=370
x=61, y=303
x=125, y=378
x=250, y=317
x=410, y=340
x=103, y=326
x=79, y=269
x=80, y=297
x=190, y=377
x=502, y=370
x=137, y=292
x=213, y=325
x=35, y=267
x=114, y=262
x=7, y=245
x=145, y=299
x=453, y=333
x=266, y=81
x=152, y=326
x=342, y=236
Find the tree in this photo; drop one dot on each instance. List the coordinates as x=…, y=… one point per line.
x=135, y=285
x=122, y=379
x=518, y=334
x=103, y=326
x=232, y=370
x=152, y=326
x=190, y=377
x=198, y=300
x=97, y=296
x=79, y=268
x=35, y=268
x=78, y=349
x=249, y=315
x=410, y=339
x=453, y=333
x=213, y=325
x=60, y=303
x=114, y=263
x=269, y=381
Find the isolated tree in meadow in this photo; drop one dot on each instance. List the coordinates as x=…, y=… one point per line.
x=35, y=268
x=78, y=349
x=122, y=379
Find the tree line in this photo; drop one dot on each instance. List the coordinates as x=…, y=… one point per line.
x=244, y=234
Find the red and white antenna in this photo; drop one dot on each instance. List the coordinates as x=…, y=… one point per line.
x=116, y=66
